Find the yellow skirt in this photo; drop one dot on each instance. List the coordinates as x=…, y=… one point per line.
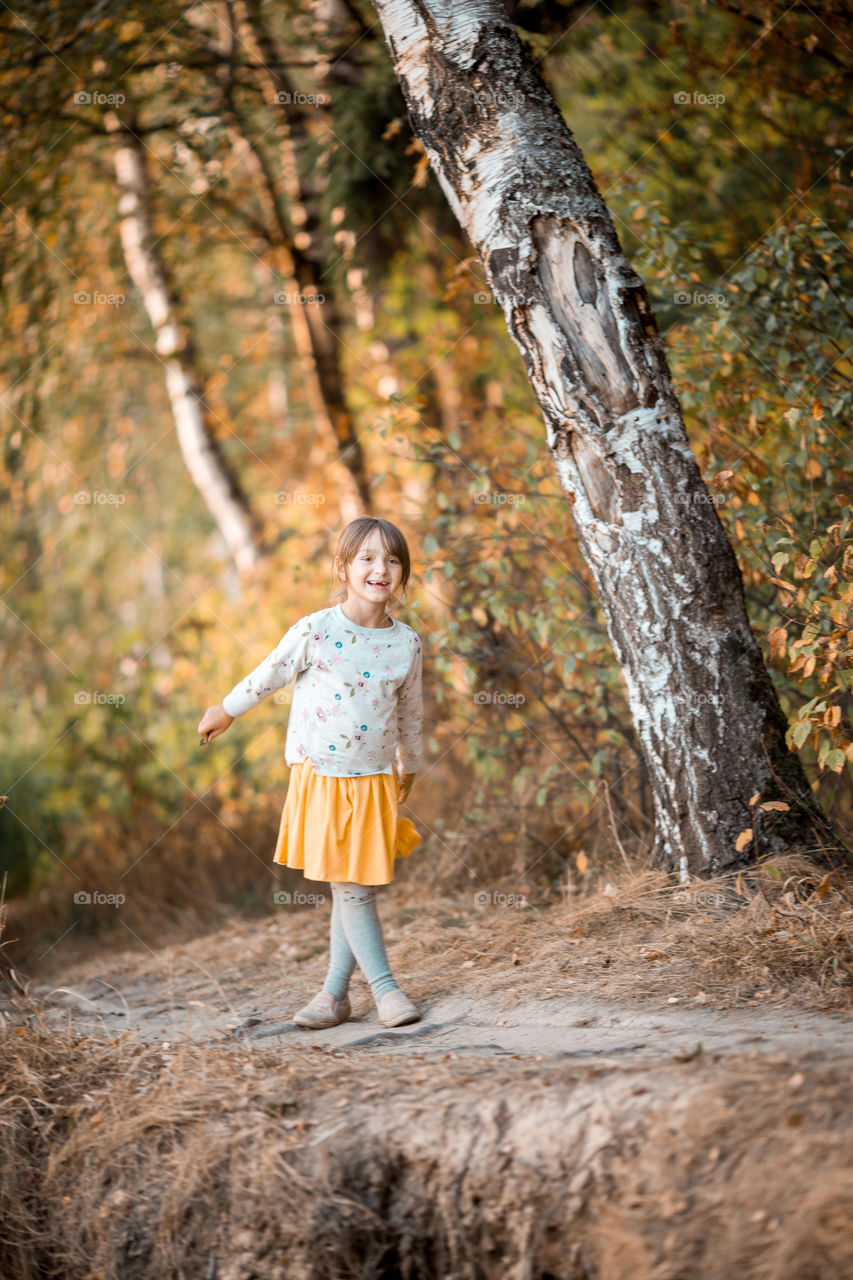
x=343, y=828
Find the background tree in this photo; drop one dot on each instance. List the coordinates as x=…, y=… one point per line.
x=204, y=460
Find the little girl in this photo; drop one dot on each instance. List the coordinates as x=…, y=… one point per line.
x=357, y=705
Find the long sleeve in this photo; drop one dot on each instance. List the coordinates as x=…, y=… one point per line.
x=291, y=655
x=410, y=713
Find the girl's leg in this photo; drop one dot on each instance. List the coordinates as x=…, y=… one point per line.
x=331, y=1005
x=360, y=923
x=341, y=958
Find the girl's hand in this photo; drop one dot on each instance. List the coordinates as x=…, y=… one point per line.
x=214, y=721
x=404, y=786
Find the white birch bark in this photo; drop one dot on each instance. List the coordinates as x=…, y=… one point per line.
x=705, y=709
x=199, y=448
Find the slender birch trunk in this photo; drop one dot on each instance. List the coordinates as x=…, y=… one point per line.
x=707, y=714
x=204, y=460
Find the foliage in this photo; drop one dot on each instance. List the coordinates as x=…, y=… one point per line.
x=128, y=597
x=763, y=370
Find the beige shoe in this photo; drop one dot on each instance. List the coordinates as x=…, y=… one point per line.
x=396, y=1009
x=325, y=1010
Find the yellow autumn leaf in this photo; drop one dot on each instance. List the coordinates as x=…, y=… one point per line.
x=821, y=890
x=778, y=638
x=754, y=799
x=817, y=410
x=775, y=804
x=743, y=839
x=582, y=862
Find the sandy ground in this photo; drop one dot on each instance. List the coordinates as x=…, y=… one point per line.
x=247, y=981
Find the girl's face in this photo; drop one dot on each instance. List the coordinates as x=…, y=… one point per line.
x=374, y=575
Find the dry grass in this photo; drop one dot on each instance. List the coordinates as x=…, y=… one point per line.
x=127, y=1162
x=781, y=931
x=175, y=884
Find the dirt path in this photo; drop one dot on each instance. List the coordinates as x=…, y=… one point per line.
x=247, y=981
x=184, y=1006
x=576, y=1102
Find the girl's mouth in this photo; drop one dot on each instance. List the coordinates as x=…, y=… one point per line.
x=379, y=585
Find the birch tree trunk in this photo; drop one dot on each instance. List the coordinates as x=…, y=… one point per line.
x=706, y=712
x=202, y=455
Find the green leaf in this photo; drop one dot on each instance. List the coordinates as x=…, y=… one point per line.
x=801, y=732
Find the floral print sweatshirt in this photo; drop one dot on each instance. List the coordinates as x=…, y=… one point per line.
x=357, y=703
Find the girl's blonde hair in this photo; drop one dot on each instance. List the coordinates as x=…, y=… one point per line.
x=350, y=542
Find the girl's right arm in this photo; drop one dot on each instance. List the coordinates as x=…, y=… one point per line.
x=291, y=655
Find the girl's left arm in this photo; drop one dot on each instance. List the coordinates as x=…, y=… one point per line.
x=410, y=715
